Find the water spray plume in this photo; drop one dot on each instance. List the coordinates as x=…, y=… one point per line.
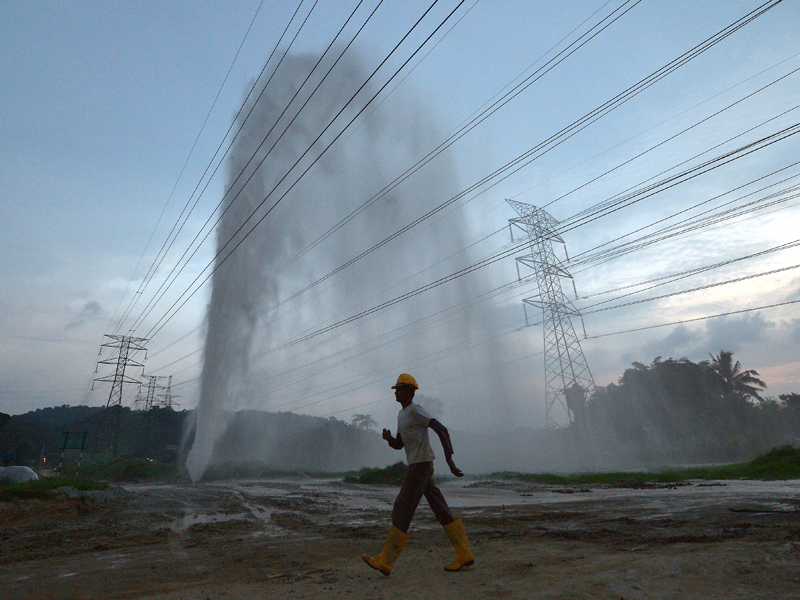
x=244, y=314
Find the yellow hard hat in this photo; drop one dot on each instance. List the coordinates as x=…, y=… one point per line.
x=405, y=379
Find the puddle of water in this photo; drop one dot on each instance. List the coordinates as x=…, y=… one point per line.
x=259, y=512
x=349, y=502
x=257, y=489
x=193, y=519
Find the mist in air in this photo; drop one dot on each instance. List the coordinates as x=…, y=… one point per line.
x=246, y=318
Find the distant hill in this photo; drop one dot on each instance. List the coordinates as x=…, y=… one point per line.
x=257, y=440
x=254, y=441
x=40, y=433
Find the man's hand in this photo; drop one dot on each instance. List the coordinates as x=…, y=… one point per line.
x=453, y=468
x=394, y=442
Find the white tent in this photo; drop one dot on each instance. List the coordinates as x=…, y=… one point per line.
x=17, y=474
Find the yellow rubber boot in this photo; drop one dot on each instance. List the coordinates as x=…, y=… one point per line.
x=395, y=542
x=458, y=537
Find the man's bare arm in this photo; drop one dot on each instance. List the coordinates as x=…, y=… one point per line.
x=447, y=445
x=396, y=443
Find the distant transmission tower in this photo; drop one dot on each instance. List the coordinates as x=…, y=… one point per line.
x=149, y=403
x=567, y=378
x=126, y=346
x=167, y=398
x=152, y=387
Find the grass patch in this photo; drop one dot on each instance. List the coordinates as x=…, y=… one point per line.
x=128, y=470
x=42, y=488
x=260, y=470
x=389, y=475
x=782, y=462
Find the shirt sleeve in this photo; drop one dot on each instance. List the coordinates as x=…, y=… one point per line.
x=421, y=416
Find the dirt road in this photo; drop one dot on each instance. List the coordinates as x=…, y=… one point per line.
x=302, y=538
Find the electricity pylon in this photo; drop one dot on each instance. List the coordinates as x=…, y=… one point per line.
x=152, y=387
x=126, y=346
x=166, y=399
x=567, y=378
x=149, y=402
x=157, y=396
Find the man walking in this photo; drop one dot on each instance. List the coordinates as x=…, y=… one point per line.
x=412, y=434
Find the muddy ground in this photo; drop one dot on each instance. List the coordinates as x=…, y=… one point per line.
x=302, y=538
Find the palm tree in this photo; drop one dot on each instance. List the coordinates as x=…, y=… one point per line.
x=737, y=383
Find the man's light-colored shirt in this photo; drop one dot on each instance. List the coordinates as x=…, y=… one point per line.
x=412, y=424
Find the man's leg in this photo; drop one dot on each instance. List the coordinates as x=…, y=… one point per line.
x=453, y=528
x=411, y=492
x=438, y=504
x=405, y=505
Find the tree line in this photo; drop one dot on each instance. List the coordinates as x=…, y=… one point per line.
x=677, y=410
x=671, y=411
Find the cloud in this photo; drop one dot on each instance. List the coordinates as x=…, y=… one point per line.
x=794, y=330
x=731, y=333
x=726, y=333
x=794, y=286
x=90, y=311
x=674, y=345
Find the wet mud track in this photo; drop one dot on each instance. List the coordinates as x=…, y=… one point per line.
x=302, y=538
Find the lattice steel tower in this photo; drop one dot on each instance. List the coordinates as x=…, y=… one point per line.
x=567, y=378
x=127, y=346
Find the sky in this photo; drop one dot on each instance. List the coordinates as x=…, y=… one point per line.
x=111, y=112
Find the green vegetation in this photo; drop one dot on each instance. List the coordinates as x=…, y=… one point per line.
x=94, y=477
x=259, y=470
x=38, y=434
x=668, y=412
x=127, y=470
x=389, y=475
x=42, y=488
x=780, y=463
x=678, y=411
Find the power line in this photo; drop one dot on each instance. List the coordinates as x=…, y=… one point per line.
x=501, y=229
x=156, y=297
x=672, y=137
x=695, y=289
x=646, y=192
x=431, y=320
x=513, y=248
x=273, y=126
x=472, y=122
x=161, y=322
x=297, y=162
x=168, y=243
x=183, y=168
x=548, y=144
x=589, y=257
x=88, y=387
x=666, y=279
x=594, y=258
x=682, y=321
x=439, y=383
x=651, y=128
x=275, y=70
